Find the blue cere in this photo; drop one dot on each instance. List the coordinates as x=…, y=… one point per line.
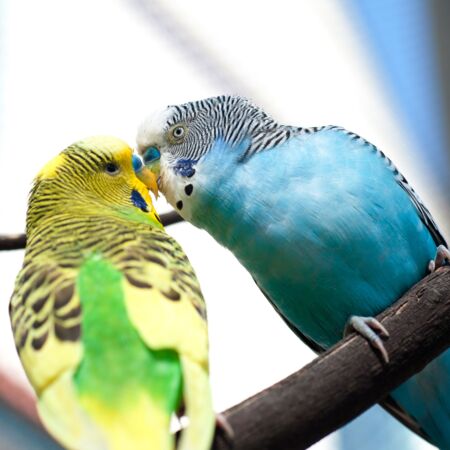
x=137, y=163
x=151, y=154
x=138, y=200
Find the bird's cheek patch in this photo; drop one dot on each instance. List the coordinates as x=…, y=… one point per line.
x=185, y=168
x=139, y=201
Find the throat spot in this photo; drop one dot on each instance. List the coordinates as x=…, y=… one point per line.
x=188, y=190
x=139, y=201
x=179, y=191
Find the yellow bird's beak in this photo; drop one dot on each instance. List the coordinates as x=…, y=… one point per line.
x=147, y=176
x=149, y=179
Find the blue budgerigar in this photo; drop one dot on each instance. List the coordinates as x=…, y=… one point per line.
x=329, y=229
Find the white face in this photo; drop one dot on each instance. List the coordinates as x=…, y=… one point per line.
x=152, y=130
x=175, y=140
x=177, y=189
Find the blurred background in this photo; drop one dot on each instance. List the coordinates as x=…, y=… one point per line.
x=76, y=68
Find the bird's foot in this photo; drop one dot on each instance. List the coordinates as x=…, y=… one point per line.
x=442, y=258
x=224, y=432
x=372, y=330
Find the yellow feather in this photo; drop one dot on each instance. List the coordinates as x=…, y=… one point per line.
x=163, y=323
x=197, y=397
x=60, y=410
x=44, y=366
x=141, y=425
x=49, y=170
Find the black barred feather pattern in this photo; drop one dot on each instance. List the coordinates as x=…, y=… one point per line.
x=69, y=186
x=232, y=119
x=43, y=299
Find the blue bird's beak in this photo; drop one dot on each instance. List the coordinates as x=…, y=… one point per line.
x=147, y=176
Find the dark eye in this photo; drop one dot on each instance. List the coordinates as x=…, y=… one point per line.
x=178, y=132
x=111, y=168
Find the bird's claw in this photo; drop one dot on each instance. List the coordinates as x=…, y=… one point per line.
x=371, y=329
x=442, y=258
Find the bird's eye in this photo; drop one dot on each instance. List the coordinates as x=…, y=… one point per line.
x=111, y=168
x=151, y=154
x=178, y=132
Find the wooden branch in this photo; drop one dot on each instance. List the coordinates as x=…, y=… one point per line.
x=349, y=378
x=18, y=241
x=171, y=218
x=12, y=241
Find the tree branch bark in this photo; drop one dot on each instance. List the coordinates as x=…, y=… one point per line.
x=349, y=378
x=12, y=241
x=18, y=241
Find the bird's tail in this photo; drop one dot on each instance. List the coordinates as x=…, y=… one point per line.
x=86, y=423
x=426, y=396
x=60, y=411
x=197, y=399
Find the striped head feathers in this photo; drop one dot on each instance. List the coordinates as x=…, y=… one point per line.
x=92, y=176
x=174, y=141
x=188, y=131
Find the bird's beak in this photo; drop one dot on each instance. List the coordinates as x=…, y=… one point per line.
x=149, y=178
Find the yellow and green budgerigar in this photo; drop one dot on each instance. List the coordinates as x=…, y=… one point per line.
x=107, y=314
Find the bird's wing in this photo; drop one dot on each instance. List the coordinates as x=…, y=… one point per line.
x=162, y=295
x=166, y=305
x=46, y=321
x=314, y=346
x=422, y=210
x=391, y=406
x=273, y=136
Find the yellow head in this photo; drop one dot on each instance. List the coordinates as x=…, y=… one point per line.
x=92, y=176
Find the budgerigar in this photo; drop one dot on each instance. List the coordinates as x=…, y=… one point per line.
x=329, y=229
x=107, y=314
